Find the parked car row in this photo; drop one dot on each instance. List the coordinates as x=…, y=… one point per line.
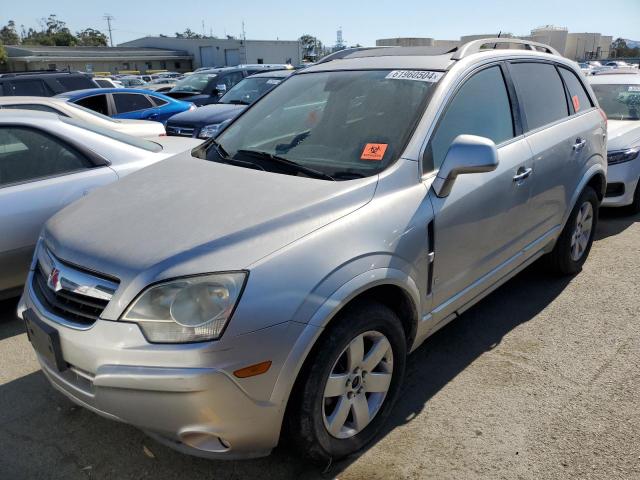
x=272, y=280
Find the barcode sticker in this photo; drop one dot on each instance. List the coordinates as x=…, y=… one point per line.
x=417, y=75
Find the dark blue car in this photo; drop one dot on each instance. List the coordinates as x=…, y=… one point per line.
x=130, y=103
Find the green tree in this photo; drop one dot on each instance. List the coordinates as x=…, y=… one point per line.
x=90, y=37
x=9, y=35
x=312, y=48
x=3, y=55
x=188, y=33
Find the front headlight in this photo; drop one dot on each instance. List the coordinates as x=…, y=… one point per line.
x=622, y=156
x=209, y=131
x=190, y=309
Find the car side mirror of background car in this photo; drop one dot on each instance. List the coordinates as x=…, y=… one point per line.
x=221, y=89
x=467, y=154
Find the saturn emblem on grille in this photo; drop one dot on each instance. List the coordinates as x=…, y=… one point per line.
x=53, y=282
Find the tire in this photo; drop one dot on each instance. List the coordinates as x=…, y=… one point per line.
x=310, y=410
x=566, y=259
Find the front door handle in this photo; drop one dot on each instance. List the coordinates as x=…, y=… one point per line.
x=522, y=174
x=579, y=145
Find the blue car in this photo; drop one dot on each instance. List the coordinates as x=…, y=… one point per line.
x=132, y=103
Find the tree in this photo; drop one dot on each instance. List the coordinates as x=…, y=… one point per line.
x=619, y=48
x=3, y=55
x=312, y=48
x=188, y=33
x=90, y=37
x=9, y=35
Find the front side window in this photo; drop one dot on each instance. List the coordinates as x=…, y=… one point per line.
x=541, y=93
x=619, y=101
x=249, y=90
x=27, y=154
x=480, y=107
x=346, y=124
x=580, y=100
x=131, y=102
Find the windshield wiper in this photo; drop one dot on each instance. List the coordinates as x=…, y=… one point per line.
x=311, y=172
x=222, y=153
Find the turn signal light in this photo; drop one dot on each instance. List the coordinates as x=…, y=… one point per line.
x=253, y=370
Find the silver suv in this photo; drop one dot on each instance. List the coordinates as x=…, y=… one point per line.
x=275, y=280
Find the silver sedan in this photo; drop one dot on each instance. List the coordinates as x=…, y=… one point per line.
x=48, y=161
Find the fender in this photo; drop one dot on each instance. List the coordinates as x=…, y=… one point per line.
x=326, y=312
x=591, y=172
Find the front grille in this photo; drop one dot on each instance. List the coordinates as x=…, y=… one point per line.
x=180, y=131
x=71, y=306
x=614, y=189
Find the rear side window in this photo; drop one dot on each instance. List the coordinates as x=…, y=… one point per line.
x=27, y=154
x=97, y=103
x=131, y=102
x=75, y=82
x=579, y=97
x=30, y=87
x=481, y=107
x=159, y=101
x=541, y=93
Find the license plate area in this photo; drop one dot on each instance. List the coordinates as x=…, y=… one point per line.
x=45, y=340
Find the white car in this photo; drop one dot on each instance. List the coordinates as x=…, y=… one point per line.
x=46, y=162
x=619, y=97
x=59, y=106
x=106, y=82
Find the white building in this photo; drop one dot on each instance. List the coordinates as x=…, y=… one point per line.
x=218, y=52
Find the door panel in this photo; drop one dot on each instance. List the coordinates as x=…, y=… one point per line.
x=25, y=209
x=482, y=223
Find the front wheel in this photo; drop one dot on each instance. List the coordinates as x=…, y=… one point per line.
x=573, y=245
x=346, y=392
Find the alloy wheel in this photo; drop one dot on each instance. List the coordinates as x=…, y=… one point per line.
x=582, y=231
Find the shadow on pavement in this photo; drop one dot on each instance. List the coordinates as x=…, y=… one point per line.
x=614, y=221
x=37, y=422
x=10, y=325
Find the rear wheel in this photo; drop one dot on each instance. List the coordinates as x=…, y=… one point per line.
x=346, y=392
x=573, y=245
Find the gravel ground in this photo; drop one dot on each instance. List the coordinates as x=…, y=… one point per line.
x=540, y=380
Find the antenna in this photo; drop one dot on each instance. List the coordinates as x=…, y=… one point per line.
x=203, y=30
x=108, y=18
x=244, y=34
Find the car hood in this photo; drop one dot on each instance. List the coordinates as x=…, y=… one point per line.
x=207, y=115
x=186, y=216
x=622, y=134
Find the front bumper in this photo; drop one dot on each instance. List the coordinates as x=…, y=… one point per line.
x=182, y=395
x=624, y=177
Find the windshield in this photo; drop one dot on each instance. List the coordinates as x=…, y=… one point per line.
x=120, y=137
x=130, y=82
x=619, y=102
x=249, y=90
x=194, y=83
x=346, y=124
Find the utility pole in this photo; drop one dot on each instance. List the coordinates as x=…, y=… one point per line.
x=108, y=18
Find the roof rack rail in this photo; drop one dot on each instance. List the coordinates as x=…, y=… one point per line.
x=344, y=52
x=37, y=72
x=475, y=46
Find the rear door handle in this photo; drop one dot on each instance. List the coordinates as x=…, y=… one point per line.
x=579, y=145
x=522, y=174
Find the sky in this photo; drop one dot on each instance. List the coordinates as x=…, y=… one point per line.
x=362, y=21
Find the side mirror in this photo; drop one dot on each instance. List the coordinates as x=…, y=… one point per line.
x=221, y=88
x=467, y=154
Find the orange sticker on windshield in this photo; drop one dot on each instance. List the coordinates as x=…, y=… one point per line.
x=576, y=103
x=373, y=151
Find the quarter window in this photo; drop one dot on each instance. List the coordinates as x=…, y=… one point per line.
x=579, y=98
x=481, y=107
x=541, y=93
x=131, y=102
x=27, y=154
x=97, y=103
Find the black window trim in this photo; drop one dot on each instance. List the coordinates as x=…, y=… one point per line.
x=568, y=92
x=516, y=117
x=93, y=158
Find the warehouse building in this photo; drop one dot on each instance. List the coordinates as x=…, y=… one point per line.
x=218, y=52
x=95, y=59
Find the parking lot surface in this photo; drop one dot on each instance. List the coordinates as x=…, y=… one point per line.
x=539, y=380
